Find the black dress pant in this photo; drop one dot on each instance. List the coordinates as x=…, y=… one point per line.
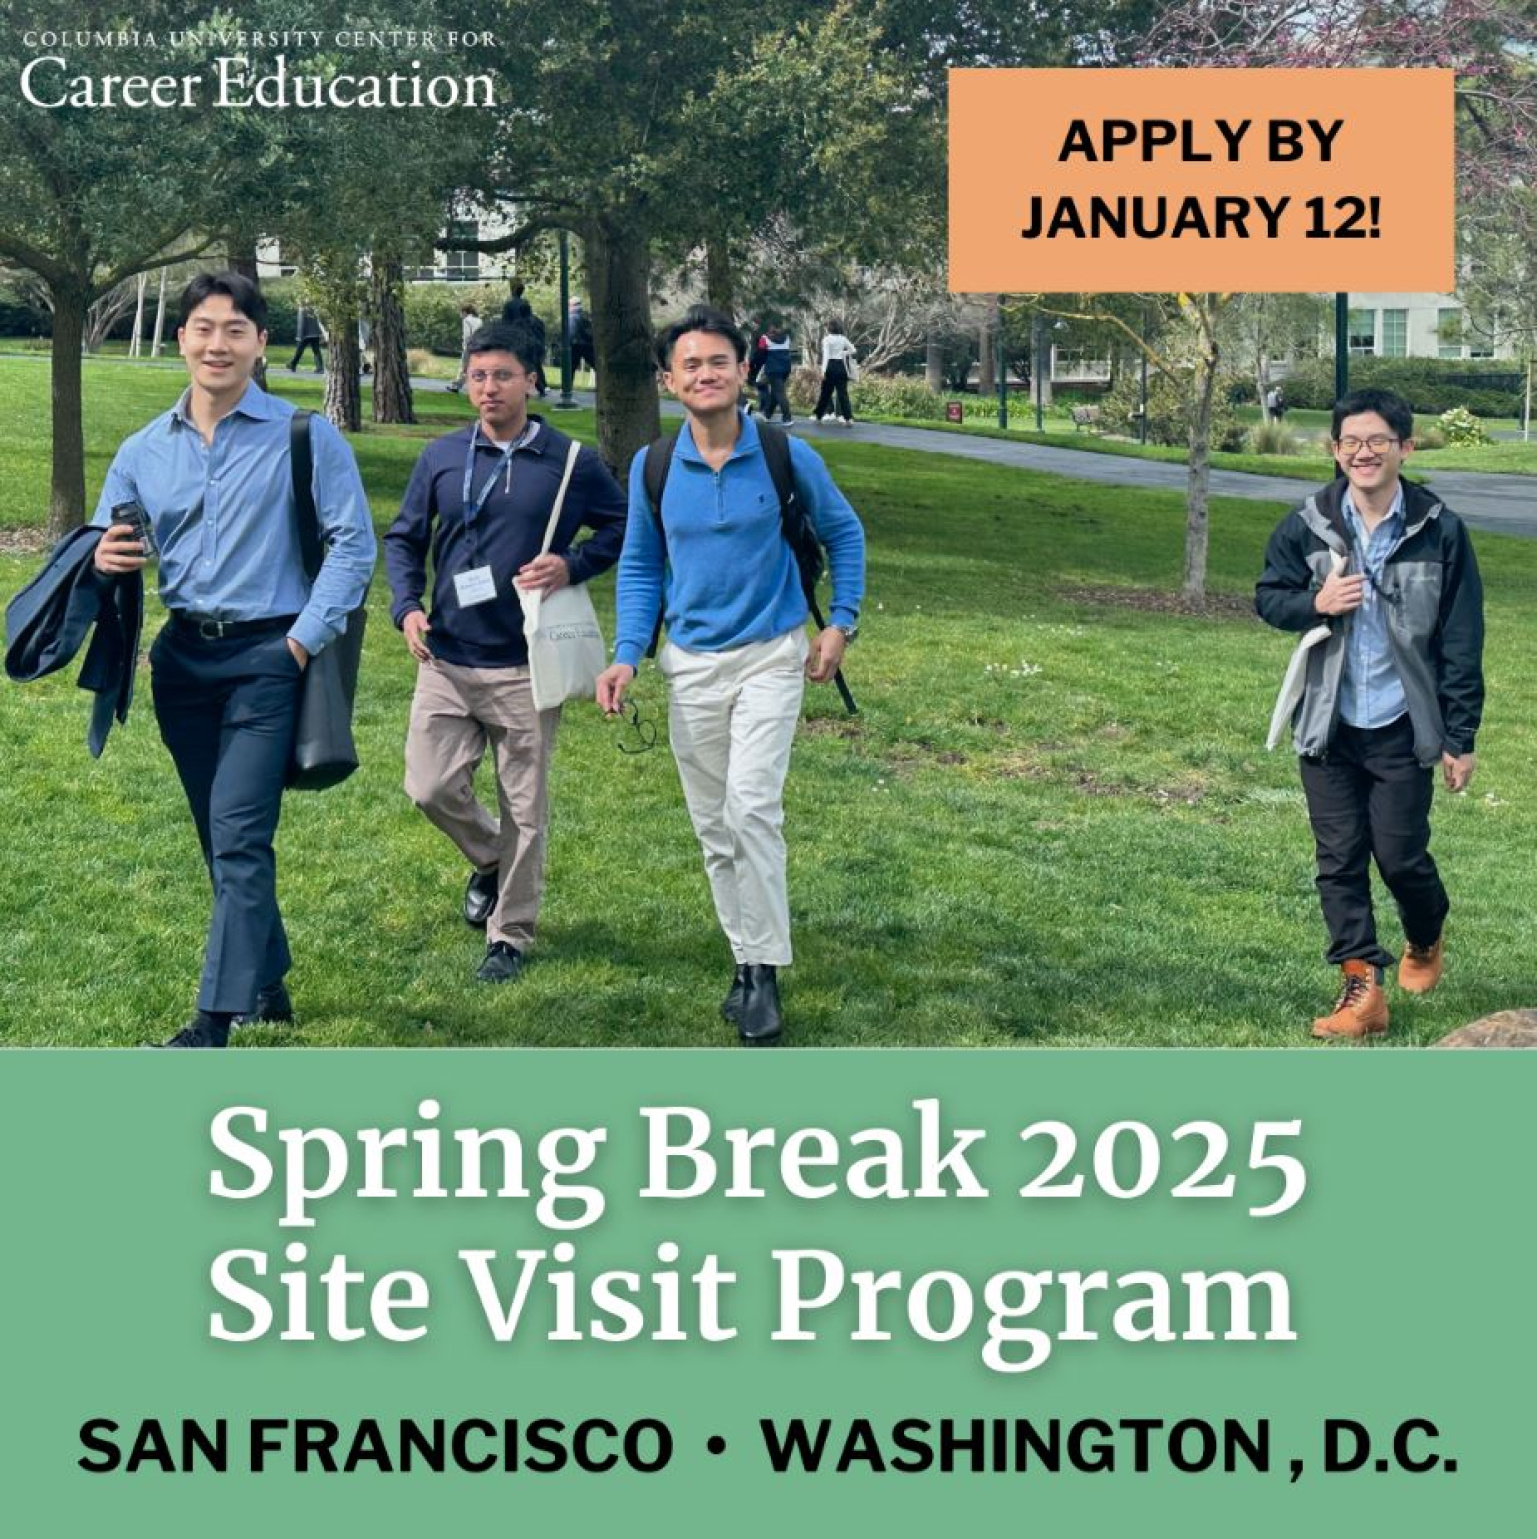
x=773, y=396
x=226, y=711
x=1369, y=799
x=305, y=345
x=835, y=382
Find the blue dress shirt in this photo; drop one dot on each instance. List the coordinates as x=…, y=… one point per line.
x=1371, y=693
x=224, y=521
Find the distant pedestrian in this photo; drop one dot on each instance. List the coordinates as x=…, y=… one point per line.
x=518, y=312
x=1275, y=404
x=775, y=375
x=839, y=366
x=309, y=335
x=583, y=350
x=469, y=324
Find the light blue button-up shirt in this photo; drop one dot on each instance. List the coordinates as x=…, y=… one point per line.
x=224, y=521
x=1371, y=693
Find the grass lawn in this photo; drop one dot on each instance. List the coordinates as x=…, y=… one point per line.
x=1054, y=822
x=1312, y=463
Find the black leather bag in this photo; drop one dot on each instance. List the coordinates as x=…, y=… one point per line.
x=324, y=753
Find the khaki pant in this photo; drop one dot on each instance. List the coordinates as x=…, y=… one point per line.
x=732, y=718
x=455, y=713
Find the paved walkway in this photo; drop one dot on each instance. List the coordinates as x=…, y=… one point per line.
x=1502, y=503
x=1506, y=504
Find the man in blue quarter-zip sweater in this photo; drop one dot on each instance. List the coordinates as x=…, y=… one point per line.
x=714, y=563
x=214, y=476
x=1388, y=682
x=479, y=501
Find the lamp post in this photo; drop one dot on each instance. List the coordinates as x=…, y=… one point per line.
x=567, y=401
x=1038, y=368
x=1001, y=365
x=1142, y=416
x=1341, y=346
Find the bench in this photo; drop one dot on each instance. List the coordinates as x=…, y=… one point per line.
x=1085, y=417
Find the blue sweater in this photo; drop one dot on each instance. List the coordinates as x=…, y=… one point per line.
x=729, y=577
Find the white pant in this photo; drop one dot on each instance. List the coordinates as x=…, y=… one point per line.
x=732, y=718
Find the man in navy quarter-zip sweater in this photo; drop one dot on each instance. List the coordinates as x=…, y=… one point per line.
x=1384, y=579
x=713, y=562
x=479, y=501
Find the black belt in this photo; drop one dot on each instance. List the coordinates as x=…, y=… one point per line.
x=210, y=628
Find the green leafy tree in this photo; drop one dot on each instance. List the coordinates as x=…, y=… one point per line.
x=90, y=196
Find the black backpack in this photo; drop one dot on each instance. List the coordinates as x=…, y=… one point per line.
x=794, y=522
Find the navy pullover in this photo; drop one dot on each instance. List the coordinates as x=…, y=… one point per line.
x=506, y=536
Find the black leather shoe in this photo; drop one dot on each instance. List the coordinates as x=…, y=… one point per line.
x=273, y=1008
x=480, y=897
x=503, y=963
x=731, y=1005
x=199, y=1033
x=759, y=1022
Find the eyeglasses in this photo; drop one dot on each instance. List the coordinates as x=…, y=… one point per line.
x=645, y=731
x=501, y=376
x=1376, y=443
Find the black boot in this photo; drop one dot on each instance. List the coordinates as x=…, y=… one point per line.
x=731, y=1005
x=273, y=1008
x=759, y=1023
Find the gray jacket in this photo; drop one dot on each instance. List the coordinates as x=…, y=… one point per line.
x=1435, y=619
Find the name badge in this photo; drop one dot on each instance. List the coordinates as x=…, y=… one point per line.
x=475, y=586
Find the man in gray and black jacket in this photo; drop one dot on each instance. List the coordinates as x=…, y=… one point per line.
x=1391, y=685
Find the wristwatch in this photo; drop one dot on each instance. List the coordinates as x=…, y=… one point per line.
x=850, y=632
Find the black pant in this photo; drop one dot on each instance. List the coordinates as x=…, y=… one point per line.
x=773, y=396
x=1369, y=799
x=835, y=381
x=226, y=712
x=305, y=344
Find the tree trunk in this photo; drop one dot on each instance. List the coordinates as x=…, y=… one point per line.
x=66, y=498
x=987, y=379
x=934, y=366
x=392, y=374
x=344, y=395
x=241, y=249
x=720, y=276
x=629, y=414
x=1198, y=489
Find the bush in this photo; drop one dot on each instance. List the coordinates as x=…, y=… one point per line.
x=432, y=313
x=1271, y=438
x=1429, y=385
x=282, y=296
x=21, y=315
x=1460, y=429
x=896, y=395
x=1168, y=412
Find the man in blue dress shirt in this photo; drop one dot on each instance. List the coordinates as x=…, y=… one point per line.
x=214, y=476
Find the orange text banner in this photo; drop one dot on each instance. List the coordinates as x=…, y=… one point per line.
x=1243, y=180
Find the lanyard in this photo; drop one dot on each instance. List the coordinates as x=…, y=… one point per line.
x=472, y=510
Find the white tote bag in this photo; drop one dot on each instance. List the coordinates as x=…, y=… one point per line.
x=1295, y=682
x=565, y=644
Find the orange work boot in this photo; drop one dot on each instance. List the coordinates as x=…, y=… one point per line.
x=1420, y=970
x=1362, y=1008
